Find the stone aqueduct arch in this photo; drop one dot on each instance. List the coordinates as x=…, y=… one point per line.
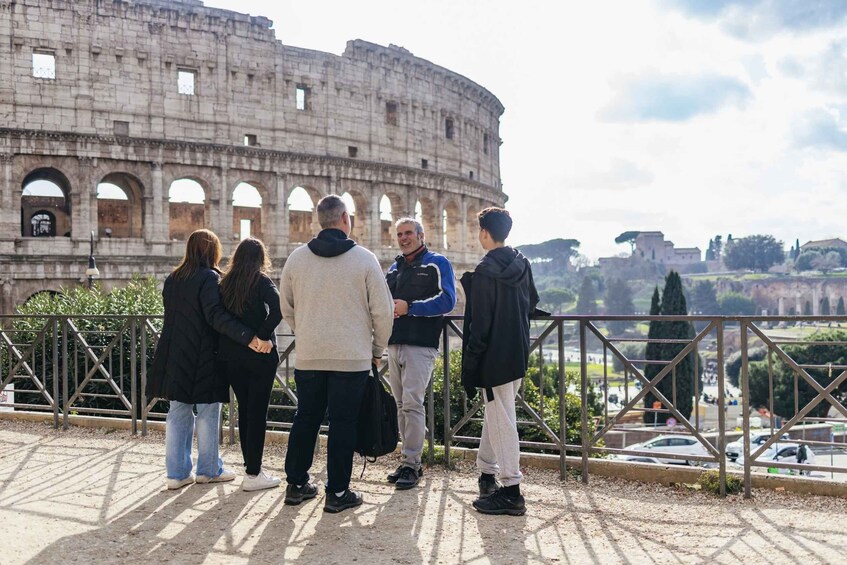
x=143, y=139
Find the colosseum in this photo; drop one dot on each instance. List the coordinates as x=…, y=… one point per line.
x=140, y=121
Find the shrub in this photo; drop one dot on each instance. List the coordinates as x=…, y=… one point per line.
x=709, y=481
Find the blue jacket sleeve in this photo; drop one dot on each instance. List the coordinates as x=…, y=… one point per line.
x=443, y=302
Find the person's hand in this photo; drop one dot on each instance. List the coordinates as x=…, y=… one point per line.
x=377, y=361
x=260, y=345
x=401, y=307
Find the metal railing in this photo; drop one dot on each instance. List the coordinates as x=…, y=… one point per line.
x=97, y=365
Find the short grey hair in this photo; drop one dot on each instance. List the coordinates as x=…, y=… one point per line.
x=418, y=226
x=330, y=210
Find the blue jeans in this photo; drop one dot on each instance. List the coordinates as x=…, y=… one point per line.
x=338, y=395
x=179, y=433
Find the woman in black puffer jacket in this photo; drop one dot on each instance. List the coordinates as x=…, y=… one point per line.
x=184, y=367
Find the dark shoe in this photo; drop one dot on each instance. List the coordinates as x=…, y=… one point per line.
x=392, y=477
x=488, y=486
x=501, y=503
x=348, y=499
x=294, y=495
x=408, y=478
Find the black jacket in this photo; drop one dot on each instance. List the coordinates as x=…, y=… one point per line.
x=262, y=315
x=427, y=283
x=184, y=366
x=500, y=297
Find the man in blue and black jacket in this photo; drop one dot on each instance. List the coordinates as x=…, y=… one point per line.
x=424, y=289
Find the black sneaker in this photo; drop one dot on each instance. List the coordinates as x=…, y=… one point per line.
x=348, y=499
x=294, y=495
x=488, y=486
x=393, y=476
x=407, y=479
x=501, y=503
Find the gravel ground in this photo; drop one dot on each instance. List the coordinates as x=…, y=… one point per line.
x=97, y=496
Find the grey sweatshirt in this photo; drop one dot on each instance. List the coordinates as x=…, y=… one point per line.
x=339, y=308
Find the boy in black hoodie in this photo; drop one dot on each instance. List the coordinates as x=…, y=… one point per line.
x=500, y=296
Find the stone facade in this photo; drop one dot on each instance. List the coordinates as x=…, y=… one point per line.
x=652, y=246
x=142, y=93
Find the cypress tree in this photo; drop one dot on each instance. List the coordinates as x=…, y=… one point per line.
x=653, y=352
x=839, y=310
x=673, y=304
x=807, y=308
x=825, y=306
x=587, y=301
x=796, y=248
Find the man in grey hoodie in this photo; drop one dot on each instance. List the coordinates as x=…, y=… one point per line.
x=336, y=301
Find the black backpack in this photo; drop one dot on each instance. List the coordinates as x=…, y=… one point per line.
x=378, y=431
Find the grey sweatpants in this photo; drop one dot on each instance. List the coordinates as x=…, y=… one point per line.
x=499, y=451
x=409, y=371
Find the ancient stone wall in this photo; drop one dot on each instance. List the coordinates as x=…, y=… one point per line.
x=142, y=93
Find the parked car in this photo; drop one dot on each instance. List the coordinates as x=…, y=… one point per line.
x=677, y=444
x=783, y=452
x=638, y=459
x=736, y=448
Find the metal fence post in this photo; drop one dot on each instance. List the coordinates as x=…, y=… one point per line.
x=55, y=373
x=583, y=369
x=445, y=346
x=144, y=379
x=65, y=373
x=745, y=407
x=133, y=367
x=721, y=411
x=563, y=404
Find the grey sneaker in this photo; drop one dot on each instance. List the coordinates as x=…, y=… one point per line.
x=348, y=499
x=294, y=494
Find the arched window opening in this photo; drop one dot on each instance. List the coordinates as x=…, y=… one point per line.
x=358, y=217
x=246, y=212
x=419, y=212
x=187, y=200
x=386, y=221
x=302, y=222
x=115, y=217
x=45, y=208
x=43, y=224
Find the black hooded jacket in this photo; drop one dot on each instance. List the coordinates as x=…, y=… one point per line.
x=331, y=242
x=184, y=365
x=500, y=297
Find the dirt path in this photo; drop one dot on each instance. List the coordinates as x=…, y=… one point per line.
x=97, y=496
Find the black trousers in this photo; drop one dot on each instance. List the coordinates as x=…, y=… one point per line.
x=252, y=380
x=337, y=394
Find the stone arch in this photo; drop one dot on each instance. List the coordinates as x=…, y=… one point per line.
x=247, y=210
x=188, y=202
x=357, y=207
x=302, y=211
x=46, y=192
x=391, y=209
x=450, y=226
x=472, y=228
x=120, y=208
x=428, y=219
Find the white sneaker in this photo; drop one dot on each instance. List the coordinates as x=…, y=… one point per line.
x=225, y=476
x=176, y=484
x=259, y=482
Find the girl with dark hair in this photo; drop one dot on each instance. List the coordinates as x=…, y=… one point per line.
x=250, y=295
x=184, y=365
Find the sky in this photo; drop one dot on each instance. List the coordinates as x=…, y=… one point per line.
x=695, y=118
